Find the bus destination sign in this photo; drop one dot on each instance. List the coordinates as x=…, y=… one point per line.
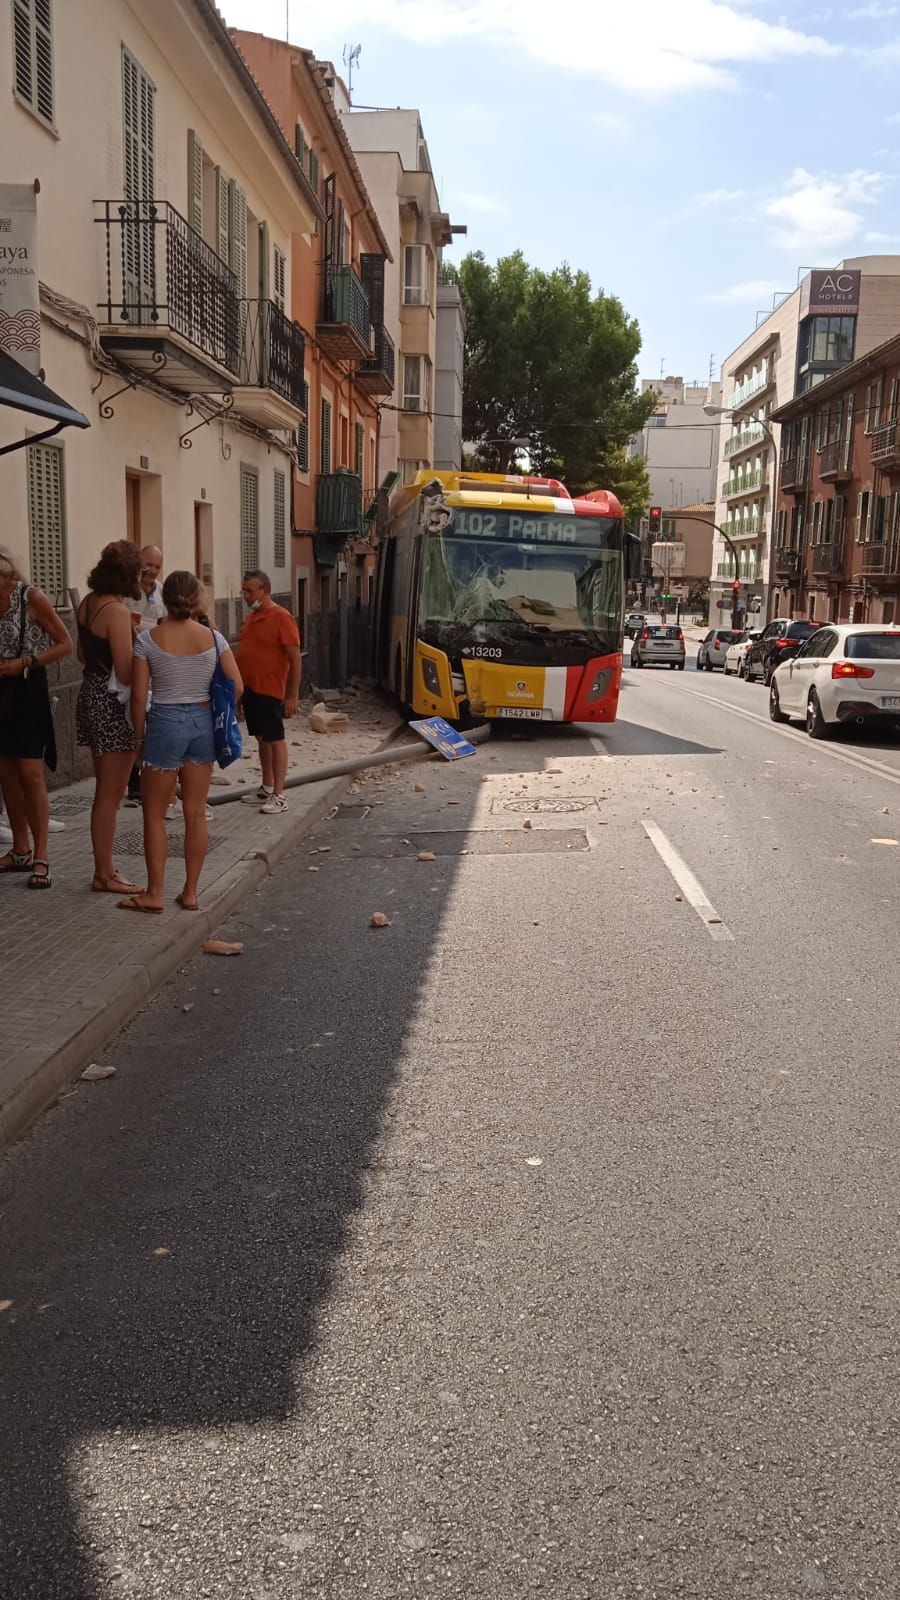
x=510, y=525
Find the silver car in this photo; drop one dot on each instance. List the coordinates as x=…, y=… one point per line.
x=658, y=645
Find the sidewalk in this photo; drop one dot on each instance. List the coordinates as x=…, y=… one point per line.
x=74, y=969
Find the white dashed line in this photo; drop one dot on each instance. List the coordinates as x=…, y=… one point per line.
x=687, y=883
x=849, y=757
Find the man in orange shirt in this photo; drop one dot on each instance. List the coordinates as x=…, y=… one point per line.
x=269, y=657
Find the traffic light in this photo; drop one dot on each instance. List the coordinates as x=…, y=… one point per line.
x=736, y=588
x=655, y=518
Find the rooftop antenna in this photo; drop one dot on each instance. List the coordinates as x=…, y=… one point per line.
x=352, y=53
x=712, y=366
x=662, y=367
x=287, y=20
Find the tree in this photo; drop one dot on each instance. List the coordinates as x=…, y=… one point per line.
x=551, y=362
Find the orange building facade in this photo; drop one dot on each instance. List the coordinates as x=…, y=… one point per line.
x=336, y=294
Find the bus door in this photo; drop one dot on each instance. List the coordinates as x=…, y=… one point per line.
x=412, y=614
x=383, y=606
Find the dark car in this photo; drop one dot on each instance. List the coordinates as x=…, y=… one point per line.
x=778, y=642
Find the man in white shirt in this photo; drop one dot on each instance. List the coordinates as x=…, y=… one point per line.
x=149, y=610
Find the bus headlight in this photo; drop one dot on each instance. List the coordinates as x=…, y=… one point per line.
x=600, y=684
x=430, y=675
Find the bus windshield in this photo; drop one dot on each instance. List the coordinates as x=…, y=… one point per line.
x=540, y=599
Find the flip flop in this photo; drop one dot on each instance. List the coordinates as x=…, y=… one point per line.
x=112, y=887
x=179, y=901
x=133, y=904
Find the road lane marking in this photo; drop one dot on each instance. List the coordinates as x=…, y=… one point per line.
x=687, y=883
x=851, y=759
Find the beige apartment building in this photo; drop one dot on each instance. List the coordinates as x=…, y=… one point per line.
x=833, y=316
x=169, y=199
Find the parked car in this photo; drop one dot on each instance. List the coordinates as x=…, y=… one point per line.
x=634, y=622
x=658, y=645
x=845, y=672
x=736, y=653
x=778, y=642
x=715, y=647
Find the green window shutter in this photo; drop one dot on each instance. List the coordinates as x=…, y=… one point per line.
x=299, y=145
x=46, y=518
x=237, y=235
x=222, y=228
x=279, y=278
x=303, y=434
x=360, y=450
x=249, y=520
x=195, y=182
x=325, y=441
x=265, y=257
x=33, y=54
x=280, y=506
x=314, y=170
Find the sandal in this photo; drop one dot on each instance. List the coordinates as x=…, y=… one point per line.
x=134, y=904
x=114, y=885
x=16, y=861
x=179, y=901
x=40, y=880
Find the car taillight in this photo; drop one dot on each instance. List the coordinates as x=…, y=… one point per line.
x=849, y=669
x=782, y=644
x=680, y=636
x=645, y=634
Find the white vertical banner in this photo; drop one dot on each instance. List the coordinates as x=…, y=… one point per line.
x=20, y=312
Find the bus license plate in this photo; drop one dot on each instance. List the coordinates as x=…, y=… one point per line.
x=530, y=713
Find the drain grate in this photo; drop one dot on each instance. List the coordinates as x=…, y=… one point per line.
x=551, y=805
x=70, y=805
x=131, y=843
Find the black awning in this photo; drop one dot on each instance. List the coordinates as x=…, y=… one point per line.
x=23, y=392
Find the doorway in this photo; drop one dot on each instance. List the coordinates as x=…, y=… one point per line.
x=203, y=546
x=133, y=508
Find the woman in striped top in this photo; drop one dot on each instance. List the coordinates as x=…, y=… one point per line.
x=174, y=663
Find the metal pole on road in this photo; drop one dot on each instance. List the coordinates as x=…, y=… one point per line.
x=342, y=769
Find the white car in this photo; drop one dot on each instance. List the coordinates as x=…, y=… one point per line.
x=844, y=673
x=735, y=655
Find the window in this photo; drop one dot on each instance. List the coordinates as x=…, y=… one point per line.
x=314, y=170
x=878, y=520
x=303, y=433
x=139, y=121
x=249, y=520
x=822, y=428
x=840, y=510
x=237, y=235
x=414, y=284
x=360, y=452
x=279, y=275
x=873, y=405
x=195, y=182
x=828, y=527
x=890, y=414
x=817, y=513
x=415, y=383
x=863, y=512
x=33, y=53
x=278, y=501
x=408, y=470
x=325, y=438
x=300, y=145
x=46, y=518
x=827, y=341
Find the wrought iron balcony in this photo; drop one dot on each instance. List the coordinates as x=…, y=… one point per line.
x=376, y=376
x=827, y=559
x=787, y=562
x=270, y=388
x=344, y=330
x=794, y=473
x=338, y=513
x=835, y=461
x=886, y=445
x=171, y=307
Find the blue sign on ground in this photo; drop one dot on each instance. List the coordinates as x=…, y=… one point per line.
x=445, y=739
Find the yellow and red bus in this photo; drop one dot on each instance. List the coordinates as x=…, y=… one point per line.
x=500, y=596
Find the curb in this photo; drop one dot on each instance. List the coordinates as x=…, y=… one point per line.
x=85, y=1030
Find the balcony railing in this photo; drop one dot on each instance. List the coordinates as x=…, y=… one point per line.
x=835, y=459
x=339, y=504
x=751, y=386
x=750, y=574
x=787, y=562
x=272, y=351
x=749, y=529
x=745, y=439
x=744, y=483
x=345, y=328
x=794, y=472
x=827, y=558
x=162, y=278
x=886, y=444
x=377, y=375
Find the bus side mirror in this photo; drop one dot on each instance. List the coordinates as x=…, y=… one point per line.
x=634, y=556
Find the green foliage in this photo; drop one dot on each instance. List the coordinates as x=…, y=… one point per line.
x=550, y=361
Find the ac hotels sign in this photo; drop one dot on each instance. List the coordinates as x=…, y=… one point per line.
x=834, y=291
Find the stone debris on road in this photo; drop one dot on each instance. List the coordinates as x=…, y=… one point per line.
x=96, y=1072
x=223, y=947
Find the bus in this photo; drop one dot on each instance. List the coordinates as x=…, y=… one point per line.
x=498, y=596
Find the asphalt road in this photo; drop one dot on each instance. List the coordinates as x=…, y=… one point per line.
x=541, y=1243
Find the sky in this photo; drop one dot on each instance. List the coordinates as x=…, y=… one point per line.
x=694, y=157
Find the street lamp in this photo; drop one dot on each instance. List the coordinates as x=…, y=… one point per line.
x=760, y=422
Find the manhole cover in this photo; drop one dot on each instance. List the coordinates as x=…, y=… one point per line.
x=552, y=806
x=70, y=805
x=131, y=843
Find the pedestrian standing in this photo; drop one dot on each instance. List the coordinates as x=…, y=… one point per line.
x=32, y=637
x=175, y=662
x=149, y=610
x=105, y=637
x=268, y=657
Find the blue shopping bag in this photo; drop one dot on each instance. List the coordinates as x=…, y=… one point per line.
x=226, y=728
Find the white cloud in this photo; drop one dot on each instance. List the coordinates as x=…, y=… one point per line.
x=881, y=238
x=488, y=204
x=821, y=212
x=651, y=47
x=719, y=197
x=876, y=11
x=756, y=291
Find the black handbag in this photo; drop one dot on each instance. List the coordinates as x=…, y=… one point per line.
x=11, y=688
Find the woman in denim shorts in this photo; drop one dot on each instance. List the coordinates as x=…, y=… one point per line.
x=173, y=665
